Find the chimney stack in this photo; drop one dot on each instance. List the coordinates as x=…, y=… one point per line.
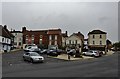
x=66, y=33
x=23, y=29
x=5, y=26
x=78, y=32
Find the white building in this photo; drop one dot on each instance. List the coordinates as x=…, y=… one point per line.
x=64, y=37
x=97, y=40
x=75, y=40
x=18, y=39
x=6, y=39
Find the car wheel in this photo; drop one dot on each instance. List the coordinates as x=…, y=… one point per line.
x=84, y=54
x=45, y=52
x=93, y=55
x=56, y=55
x=31, y=60
x=24, y=59
x=42, y=61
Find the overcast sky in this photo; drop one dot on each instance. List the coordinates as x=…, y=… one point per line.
x=69, y=16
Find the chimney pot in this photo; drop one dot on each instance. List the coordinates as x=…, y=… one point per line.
x=5, y=26
x=66, y=32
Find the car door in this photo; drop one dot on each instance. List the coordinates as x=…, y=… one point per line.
x=27, y=56
x=89, y=53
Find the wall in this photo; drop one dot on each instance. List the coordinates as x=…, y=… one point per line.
x=63, y=41
x=17, y=39
x=97, y=39
x=73, y=38
x=5, y=46
x=36, y=37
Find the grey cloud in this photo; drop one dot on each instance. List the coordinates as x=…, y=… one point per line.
x=70, y=16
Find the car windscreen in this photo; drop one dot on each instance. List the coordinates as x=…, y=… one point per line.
x=29, y=47
x=34, y=54
x=53, y=48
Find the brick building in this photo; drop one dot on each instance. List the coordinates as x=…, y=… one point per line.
x=42, y=37
x=55, y=37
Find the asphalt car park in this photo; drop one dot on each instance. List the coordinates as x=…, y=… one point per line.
x=14, y=66
x=17, y=58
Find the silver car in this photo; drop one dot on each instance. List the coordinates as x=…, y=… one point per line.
x=32, y=49
x=33, y=57
x=94, y=53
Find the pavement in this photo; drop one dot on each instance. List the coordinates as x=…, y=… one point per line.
x=12, y=51
x=65, y=57
x=110, y=52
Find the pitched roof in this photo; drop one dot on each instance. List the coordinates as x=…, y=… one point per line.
x=64, y=35
x=79, y=35
x=5, y=32
x=15, y=31
x=97, y=32
x=43, y=31
x=54, y=31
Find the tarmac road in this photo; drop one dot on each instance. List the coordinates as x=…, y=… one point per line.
x=14, y=66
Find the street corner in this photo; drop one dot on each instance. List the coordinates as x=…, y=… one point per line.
x=109, y=53
x=88, y=57
x=62, y=57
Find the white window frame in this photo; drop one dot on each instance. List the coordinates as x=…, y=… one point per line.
x=55, y=37
x=50, y=37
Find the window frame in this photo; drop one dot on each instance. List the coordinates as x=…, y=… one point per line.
x=93, y=42
x=100, y=36
x=93, y=36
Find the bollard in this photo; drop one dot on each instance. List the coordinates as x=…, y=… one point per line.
x=68, y=57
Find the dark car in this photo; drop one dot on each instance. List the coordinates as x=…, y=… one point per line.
x=59, y=51
x=43, y=51
x=52, y=51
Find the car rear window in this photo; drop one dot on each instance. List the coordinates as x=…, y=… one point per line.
x=34, y=54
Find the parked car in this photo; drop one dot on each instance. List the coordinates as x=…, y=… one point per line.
x=52, y=52
x=43, y=51
x=59, y=51
x=93, y=53
x=33, y=57
x=27, y=45
x=71, y=52
x=32, y=49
